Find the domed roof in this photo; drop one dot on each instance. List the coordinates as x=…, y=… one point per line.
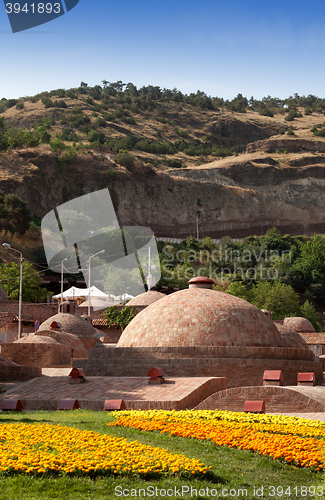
x=62, y=338
x=146, y=298
x=300, y=325
x=291, y=338
x=4, y=361
x=35, y=339
x=200, y=317
x=71, y=323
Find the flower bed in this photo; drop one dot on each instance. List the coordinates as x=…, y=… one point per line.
x=45, y=448
x=293, y=440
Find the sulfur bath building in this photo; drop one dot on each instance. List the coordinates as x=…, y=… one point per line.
x=202, y=332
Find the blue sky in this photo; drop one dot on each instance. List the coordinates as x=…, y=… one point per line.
x=255, y=48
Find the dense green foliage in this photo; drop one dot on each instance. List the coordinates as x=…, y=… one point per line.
x=14, y=215
x=283, y=274
x=31, y=289
x=121, y=317
x=14, y=137
x=116, y=103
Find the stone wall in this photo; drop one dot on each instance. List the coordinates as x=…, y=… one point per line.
x=245, y=367
x=38, y=355
x=19, y=373
x=209, y=352
x=89, y=342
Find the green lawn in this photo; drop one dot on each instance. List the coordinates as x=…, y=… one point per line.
x=233, y=471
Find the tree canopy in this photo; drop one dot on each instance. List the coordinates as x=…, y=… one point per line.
x=9, y=280
x=14, y=215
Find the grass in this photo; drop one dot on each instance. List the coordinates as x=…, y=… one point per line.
x=232, y=469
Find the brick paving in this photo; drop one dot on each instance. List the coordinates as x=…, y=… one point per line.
x=282, y=399
x=318, y=393
x=176, y=393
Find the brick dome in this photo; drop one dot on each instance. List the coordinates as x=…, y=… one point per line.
x=35, y=339
x=291, y=338
x=145, y=299
x=62, y=338
x=298, y=324
x=4, y=361
x=71, y=323
x=200, y=317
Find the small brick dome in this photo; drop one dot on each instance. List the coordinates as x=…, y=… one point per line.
x=35, y=339
x=298, y=324
x=291, y=338
x=145, y=299
x=71, y=323
x=4, y=361
x=62, y=338
x=86, y=317
x=200, y=317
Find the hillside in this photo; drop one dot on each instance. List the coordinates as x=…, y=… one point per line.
x=240, y=171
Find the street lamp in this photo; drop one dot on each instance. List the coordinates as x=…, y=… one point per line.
x=102, y=251
x=62, y=280
x=7, y=245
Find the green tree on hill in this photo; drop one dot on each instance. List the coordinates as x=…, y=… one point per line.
x=14, y=215
x=280, y=299
x=9, y=280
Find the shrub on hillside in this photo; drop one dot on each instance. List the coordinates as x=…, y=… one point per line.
x=94, y=135
x=126, y=160
x=266, y=112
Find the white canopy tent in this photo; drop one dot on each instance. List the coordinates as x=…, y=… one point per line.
x=75, y=292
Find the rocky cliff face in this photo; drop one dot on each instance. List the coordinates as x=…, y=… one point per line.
x=238, y=196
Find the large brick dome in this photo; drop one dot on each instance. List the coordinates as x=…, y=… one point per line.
x=146, y=298
x=200, y=317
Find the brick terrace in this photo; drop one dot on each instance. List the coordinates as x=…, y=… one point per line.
x=177, y=393
x=277, y=399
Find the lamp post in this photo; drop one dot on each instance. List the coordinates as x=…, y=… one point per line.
x=149, y=270
x=62, y=280
x=7, y=245
x=102, y=251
